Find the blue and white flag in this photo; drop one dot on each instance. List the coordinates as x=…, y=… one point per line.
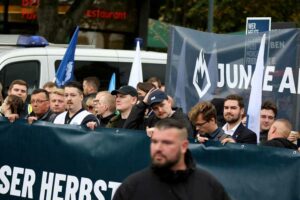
x=136, y=73
x=254, y=106
x=65, y=72
x=112, y=83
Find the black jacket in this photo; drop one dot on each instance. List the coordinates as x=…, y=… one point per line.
x=263, y=136
x=164, y=184
x=49, y=116
x=104, y=120
x=138, y=120
x=280, y=142
x=244, y=135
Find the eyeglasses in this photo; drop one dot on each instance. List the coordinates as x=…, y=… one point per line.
x=38, y=101
x=200, y=124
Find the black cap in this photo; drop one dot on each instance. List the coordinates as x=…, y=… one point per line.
x=157, y=96
x=126, y=89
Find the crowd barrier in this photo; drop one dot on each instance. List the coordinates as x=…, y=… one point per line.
x=46, y=161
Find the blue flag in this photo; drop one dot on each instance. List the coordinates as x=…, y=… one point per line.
x=65, y=72
x=112, y=83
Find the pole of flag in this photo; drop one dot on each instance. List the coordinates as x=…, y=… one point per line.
x=254, y=105
x=112, y=83
x=65, y=72
x=136, y=73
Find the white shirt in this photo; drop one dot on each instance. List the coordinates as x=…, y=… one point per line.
x=231, y=131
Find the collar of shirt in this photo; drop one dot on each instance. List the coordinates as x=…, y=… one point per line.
x=231, y=131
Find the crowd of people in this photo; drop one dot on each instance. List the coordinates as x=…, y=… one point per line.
x=141, y=108
x=148, y=107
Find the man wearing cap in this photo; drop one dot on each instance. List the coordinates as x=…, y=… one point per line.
x=162, y=109
x=126, y=98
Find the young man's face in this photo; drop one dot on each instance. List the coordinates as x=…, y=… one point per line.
x=203, y=126
x=232, y=111
x=163, y=109
x=57, y=103
x=124, y=102
x=19, y=90
x=73, y=99
x=167, y=147
x=267, y=117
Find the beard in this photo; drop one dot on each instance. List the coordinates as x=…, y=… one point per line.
x=165, y=163
x=231, y=119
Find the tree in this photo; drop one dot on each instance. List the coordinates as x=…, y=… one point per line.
x=229, y=15
x=57, y=28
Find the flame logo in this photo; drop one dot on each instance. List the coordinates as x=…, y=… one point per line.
x=201, y=73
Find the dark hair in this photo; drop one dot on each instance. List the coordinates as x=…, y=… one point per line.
x=145, y=86
x=206, y=108
x=74, y=84
x=16, y=104
x=269, y=105
x=18, y=82
x=172, y=123
x=37, y=91
x=154, y=79
x=237, y=98
x=93, y=81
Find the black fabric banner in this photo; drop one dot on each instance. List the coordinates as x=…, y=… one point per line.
x=46, y=161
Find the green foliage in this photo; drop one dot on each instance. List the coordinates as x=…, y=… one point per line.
x=229, y=15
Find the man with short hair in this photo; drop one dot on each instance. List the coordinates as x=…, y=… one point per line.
x=49, y=86
x=204, y=118
x=162, y=108
x=173, y=173
x=126, y=98
x=278, y=134
x=268, y=114
x=19, y=88
x=105, y=108
x=75, y=114
x=57, y=101
x=233, y=112
x=91, y=85
x=40, y=107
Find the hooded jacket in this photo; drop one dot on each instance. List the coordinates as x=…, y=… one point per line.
x=280, y=142
x=165, y=184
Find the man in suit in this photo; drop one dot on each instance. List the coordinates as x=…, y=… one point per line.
x=233, y=111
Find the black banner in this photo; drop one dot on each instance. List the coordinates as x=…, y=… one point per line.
x=46, y=161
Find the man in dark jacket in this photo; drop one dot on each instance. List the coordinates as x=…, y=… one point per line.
x=278, y=134
x=268, y=114
x=173, y=174
x=233, y=111
x=40, y=107
x=161, y=106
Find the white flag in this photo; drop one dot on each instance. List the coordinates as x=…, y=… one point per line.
x=136, y=73
x=255, y=99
